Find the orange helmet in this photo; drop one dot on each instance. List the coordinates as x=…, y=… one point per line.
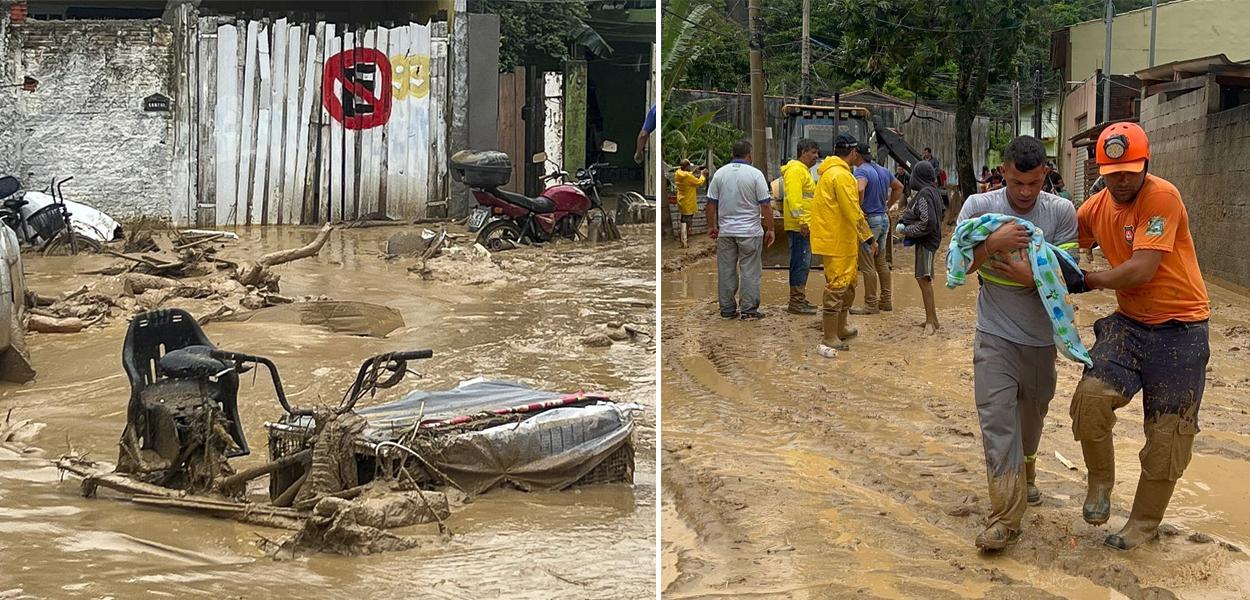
x=1122, y=147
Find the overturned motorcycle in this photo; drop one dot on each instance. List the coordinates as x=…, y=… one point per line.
x=343, y=477
x=570, y=209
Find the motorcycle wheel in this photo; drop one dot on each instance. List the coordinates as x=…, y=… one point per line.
x=500, y=235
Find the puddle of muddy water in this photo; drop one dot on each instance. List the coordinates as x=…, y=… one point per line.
x=789, y=475
x=526, y=326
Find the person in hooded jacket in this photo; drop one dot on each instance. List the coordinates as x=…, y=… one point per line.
x=921, y=224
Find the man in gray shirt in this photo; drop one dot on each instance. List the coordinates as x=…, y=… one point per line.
x=1014, y=352
x=736, y=198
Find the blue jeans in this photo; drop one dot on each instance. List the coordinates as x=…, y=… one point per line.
x=800, y=258
x=874, y=268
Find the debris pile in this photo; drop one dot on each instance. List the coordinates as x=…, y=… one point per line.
x=161, y=267
x=604, y=335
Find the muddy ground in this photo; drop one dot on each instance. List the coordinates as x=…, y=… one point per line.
x=517, y=316
x=791, y=476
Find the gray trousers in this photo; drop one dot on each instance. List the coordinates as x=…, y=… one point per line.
x=738, y=265
x=1014, y=385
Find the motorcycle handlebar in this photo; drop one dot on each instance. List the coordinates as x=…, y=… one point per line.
x=240, y=357
x=412, y=355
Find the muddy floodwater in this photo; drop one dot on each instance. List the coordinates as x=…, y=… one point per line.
x=519, y=316
x=787, y=475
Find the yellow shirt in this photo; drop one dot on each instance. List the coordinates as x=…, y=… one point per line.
x=687, y=191
x=797, y=191
x=837, y=223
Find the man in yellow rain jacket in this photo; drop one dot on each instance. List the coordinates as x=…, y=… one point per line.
x=797, y=189
x=688, y=183
x=838, y=227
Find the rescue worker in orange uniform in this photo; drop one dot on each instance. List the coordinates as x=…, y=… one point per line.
x=1157, y=340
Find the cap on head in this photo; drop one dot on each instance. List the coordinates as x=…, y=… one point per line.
x=1122, y=147
x=864, y=150
x=845, y=141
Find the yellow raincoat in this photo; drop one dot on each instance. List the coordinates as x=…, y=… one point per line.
x=687, y=191
x=798, y=189
x=837, y=222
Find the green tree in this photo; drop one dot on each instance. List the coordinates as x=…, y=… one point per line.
x=542, y=32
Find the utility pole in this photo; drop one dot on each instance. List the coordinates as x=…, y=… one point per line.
x=1154, y=15
x=1015, y=109
x=1106, y=63
x=1037, y=103
x=758, y=140
x=805, y=89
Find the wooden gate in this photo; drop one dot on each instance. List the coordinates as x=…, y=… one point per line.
x=307, y=123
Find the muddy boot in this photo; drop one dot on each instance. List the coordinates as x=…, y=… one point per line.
x=798, y=304
x=1100, y=463
x=997, y=537
x=1034, y=495
x=845, y=331
x=830, y=341
x=866, y=309
x=1007, y=505
x=1149, y=504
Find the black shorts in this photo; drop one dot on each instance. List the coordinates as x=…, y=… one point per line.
x=1166, y=362
x=687, y=219
x=924, y=262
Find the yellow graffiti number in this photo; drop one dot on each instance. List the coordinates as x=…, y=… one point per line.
x=410, y=76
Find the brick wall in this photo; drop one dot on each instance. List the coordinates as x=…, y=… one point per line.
x=86, y=119
x=1204, y=155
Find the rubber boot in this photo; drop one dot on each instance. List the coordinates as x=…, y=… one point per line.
x=1100, y=462
x=831, y=319
x=798, y=304
x=1149, y=504
x=844, y=330
x=866, y=309
x=1034, y=495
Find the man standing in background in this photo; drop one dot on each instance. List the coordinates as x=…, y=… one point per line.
x=797, y=189
x=877, y=190
x=838, y=227
x=737, y=197
x=688, y=183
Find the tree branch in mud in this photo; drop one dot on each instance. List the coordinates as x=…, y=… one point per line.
x=258, y=272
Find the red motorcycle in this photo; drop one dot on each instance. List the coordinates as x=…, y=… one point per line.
x=504, y=220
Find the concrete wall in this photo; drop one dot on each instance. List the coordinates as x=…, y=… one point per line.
x=1050, y=124
x=9, y=98
x=1197, y=152
x=87, y=120
x=1186, y=29
x=1079, y=114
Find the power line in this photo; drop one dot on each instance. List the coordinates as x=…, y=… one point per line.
x=699, y=25
x=946, y=31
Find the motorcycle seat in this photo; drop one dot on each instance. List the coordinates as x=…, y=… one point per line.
x=190, y=362
x=14, y=203
x=539, y=205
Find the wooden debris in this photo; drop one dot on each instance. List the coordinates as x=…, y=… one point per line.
x=233, y=482
x=1067, y=463
x=44, y=324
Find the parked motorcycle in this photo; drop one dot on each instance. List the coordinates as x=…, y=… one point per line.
x=571, y=209
x=54, y=225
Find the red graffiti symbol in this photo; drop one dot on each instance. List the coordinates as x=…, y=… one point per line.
x=360, y=74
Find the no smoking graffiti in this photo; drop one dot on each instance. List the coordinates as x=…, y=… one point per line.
x=356, y=88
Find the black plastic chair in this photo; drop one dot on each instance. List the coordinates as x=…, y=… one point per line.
x=168, y=345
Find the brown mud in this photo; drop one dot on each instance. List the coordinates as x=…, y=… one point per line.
x=787, y=475
x=515, y=315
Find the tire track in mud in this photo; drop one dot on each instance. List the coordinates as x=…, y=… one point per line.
x=881, y=473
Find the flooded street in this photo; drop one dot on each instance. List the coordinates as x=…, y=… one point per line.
x=519, y=318
x=791, y=476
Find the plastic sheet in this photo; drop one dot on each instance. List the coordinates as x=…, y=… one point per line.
x=550, y=451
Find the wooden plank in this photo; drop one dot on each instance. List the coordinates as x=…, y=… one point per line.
x=335, y=213
x=369, y=140
x=183, y=122
x=437, y=116
x=226, y=130
x=419, y=119
x=311, y=62
x=322, y=137
x=397, y=127
x=277, y=106
x=264, y=99
x=239, y=213
x=351, y=141
x=204, y=123
x=289, y=212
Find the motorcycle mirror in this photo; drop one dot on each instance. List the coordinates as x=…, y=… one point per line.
x=609, y=146
x=539, y=158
